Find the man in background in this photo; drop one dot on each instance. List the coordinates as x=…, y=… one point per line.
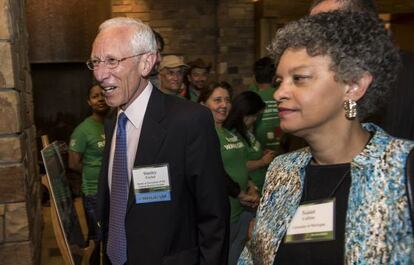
x=170, y=73
x=267, y=130
x=160, y=47
x=365, y=6
x=197, y=78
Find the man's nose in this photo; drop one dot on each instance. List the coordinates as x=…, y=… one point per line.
x=101, y=73
x=175, y=77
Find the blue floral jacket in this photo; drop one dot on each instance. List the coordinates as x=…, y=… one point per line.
x=378, y=227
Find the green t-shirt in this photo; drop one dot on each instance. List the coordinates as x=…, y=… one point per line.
x=255, y=152
x=193, y=95
x=267, y=130
x=88, y=138
x=234, y=155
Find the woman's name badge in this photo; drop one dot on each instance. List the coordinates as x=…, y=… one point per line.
x=151, y=184
x=313, y=222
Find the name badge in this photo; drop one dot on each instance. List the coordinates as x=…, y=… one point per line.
x=151, y=184
x=313, y=222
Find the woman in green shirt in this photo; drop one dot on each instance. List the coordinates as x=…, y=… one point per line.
x=85, y=156
x=234, y=154
x=246, y=108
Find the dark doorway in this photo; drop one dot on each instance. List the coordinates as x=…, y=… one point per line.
x=61, y=33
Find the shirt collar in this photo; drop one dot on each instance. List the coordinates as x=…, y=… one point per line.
x=375, y=148
x=193, y=90
x=135, y=112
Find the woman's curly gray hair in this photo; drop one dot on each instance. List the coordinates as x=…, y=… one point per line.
x=356, y=43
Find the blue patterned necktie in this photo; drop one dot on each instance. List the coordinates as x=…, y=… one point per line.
x=117, y=245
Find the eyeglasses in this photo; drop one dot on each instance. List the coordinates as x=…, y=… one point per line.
x=109, y=62
x=170, y=72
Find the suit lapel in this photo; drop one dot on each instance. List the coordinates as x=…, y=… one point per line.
x=152, y=135
x=152, y=132
x=109, y=126
x=103, y=190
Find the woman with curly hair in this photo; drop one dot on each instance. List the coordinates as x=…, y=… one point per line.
x=343, y=199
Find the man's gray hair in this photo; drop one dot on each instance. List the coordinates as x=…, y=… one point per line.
x=142, y=40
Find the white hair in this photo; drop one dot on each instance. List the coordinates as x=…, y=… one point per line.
x=143, y=38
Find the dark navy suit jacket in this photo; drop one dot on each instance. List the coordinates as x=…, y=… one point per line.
x=192, y=228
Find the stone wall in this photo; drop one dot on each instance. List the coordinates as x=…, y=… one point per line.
x=220, y=32
x=236, y=41
x=20, y=210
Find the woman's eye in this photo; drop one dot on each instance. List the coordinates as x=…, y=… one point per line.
x=278, y=81
x=299, y=78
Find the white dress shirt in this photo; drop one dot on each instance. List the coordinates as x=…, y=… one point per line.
x=135, y=114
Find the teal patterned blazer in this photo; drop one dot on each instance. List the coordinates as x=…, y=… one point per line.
x=378, y=227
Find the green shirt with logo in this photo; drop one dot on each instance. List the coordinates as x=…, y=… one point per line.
x=234, y=155
x=88, y=138
x=267, y=130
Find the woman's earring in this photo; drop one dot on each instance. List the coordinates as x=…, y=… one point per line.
x=350, y=107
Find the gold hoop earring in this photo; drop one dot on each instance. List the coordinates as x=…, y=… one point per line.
x=350, y=107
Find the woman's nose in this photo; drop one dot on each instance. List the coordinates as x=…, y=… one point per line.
x=280, y=92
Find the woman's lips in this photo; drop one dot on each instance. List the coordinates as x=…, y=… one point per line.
x=285, y=111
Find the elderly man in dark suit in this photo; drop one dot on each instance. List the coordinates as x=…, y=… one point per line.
x=161, y=196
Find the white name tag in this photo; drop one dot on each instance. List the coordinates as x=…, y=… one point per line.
x=151, y=184
x=312, y=222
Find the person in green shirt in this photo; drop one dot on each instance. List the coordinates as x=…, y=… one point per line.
x=86, y=147
x=267, y=129
x=217, y=98
x=246, y=107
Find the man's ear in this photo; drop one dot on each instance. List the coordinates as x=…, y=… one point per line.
x=147, y=62
x=357, y=90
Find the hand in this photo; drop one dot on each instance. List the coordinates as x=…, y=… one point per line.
x=267, y=157
x=251, y=229
x=248, y=200
x=253, y=191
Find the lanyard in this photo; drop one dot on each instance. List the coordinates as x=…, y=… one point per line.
x=339, y=184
